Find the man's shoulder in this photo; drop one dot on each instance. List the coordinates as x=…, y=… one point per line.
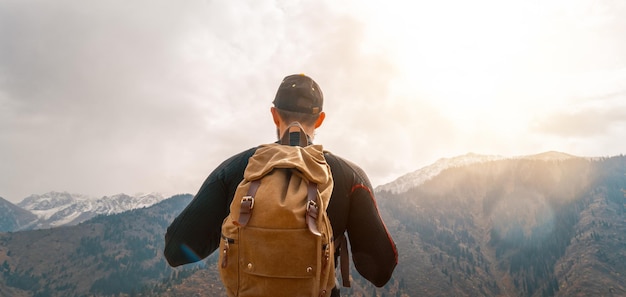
x=346, y=172
x=237, y=160
x=247, y=153
x=335, y=161
x=332, y=158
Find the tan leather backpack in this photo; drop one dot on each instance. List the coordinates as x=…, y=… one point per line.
x=277, y=240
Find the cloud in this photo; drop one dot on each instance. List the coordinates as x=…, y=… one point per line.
x=152, y=95
x=83, y=83
x=587, y=123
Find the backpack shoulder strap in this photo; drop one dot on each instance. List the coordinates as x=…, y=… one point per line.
x=247, y=203
x=294, y=127
x=344, y=259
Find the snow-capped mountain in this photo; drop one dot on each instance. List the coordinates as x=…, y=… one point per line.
x=62, y=208
x=549, y=156
x=418, y=177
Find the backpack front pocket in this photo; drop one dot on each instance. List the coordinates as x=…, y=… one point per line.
x=288, y=259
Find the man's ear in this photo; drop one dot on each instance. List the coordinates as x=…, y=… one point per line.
x=275, y=116
x=320, y=120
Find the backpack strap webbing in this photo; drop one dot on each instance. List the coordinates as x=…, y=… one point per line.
x=294, y=127
x=247, y=203
x=344, y=259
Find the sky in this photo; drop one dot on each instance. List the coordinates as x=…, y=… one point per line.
x=108, y=97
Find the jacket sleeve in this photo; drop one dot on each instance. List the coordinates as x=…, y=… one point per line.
x=195, y=233
x=373, y=250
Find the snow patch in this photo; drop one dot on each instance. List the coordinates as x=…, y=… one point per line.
x=418, y=177
x=62, y=208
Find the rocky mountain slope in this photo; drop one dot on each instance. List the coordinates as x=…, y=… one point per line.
x=13, y=217
x=104, y=256
x=515, y=227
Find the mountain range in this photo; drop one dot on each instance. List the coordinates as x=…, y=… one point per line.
x=550, y=224
x=55, y=209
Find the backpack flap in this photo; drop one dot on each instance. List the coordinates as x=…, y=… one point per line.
x=309, y=161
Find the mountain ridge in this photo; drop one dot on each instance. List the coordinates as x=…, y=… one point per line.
x=13, y=217
x=418, y=177
x=55, y=209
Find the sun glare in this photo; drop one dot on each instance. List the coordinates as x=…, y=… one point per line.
x=466, y=58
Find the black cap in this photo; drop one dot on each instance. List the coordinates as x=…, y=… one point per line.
x=299, y=93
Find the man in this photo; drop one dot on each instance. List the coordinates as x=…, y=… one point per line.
x=195, y=233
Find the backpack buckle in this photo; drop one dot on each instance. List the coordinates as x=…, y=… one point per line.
x=312, y=211
x=310, y=204
x=247, y=203
x=248, y=200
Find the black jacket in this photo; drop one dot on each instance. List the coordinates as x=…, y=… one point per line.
x=195, y=233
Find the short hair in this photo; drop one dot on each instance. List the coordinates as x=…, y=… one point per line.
x=304, y=119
